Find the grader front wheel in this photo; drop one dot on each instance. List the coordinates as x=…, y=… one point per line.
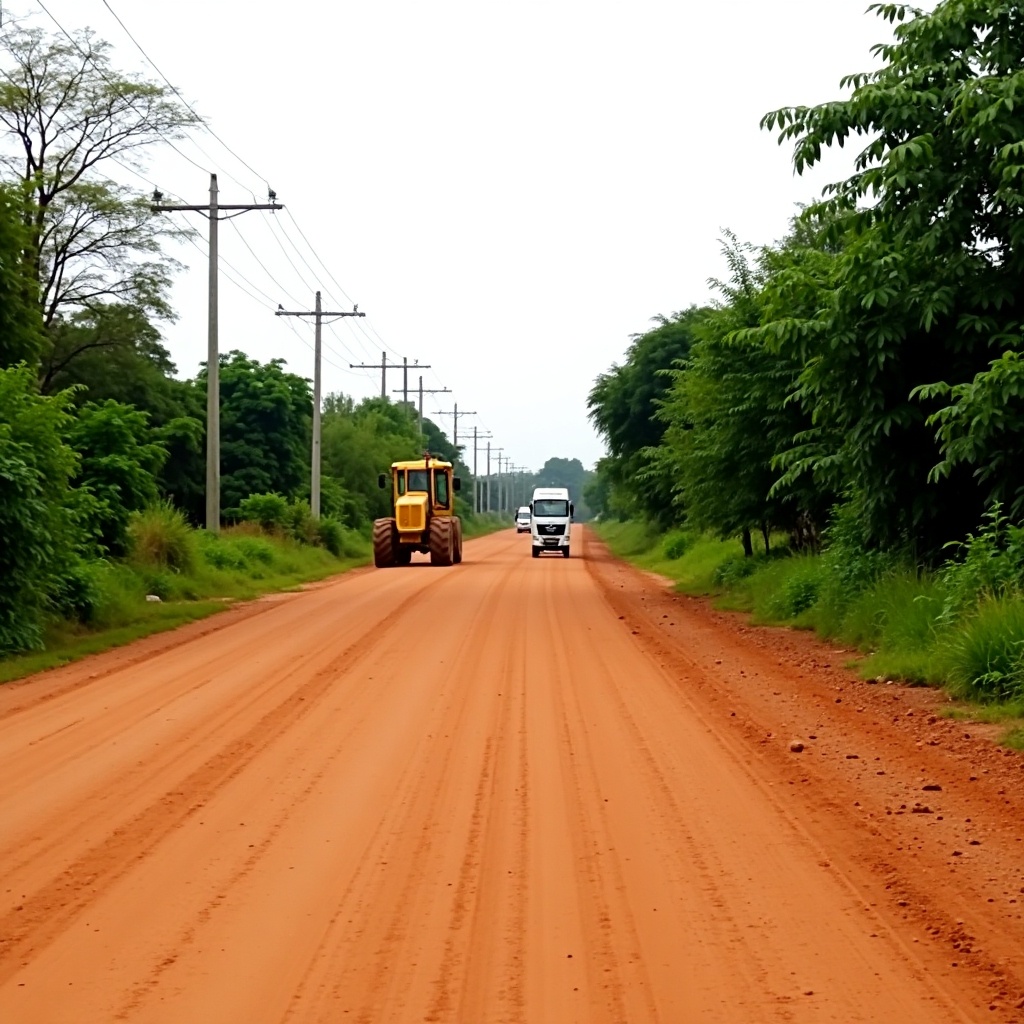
x=384, y=543
x=441, y=541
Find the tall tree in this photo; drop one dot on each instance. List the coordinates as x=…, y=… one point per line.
x=20, y=322
x=68, y=112
x=38, y=529
x=266, y=421
x=926, y=287
x=623, y=405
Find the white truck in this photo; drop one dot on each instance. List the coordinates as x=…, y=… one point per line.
x=550, y=522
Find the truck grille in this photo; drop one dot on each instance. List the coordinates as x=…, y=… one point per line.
x=551, y=529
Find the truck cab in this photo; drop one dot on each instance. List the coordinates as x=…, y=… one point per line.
x=523, y=519
x=551, y=514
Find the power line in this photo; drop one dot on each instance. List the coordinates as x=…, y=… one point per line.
x=188, y=105
x=89, y=57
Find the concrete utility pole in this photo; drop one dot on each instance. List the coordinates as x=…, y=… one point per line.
x=503, y=484
x=476, y=480
x=383, y=366
x=212, y=209
x=314, y=480
x=423, y=391
x=489, y=450
x=454, y=412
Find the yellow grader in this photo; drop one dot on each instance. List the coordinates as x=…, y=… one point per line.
x=423, y=496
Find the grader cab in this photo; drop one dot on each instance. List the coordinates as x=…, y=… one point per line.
x=423, y=498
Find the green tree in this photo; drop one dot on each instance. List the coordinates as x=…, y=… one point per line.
x=68, y=110
x=623, y=405
x=20, y=323
x=266, y=419
x=729, y=413
x=119, y=461
x=925, y=288
x=40, y=537
x=361, y=441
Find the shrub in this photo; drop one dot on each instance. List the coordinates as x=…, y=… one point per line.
x=301, y=525
x=161, y=536
x=734, y=569
x=254, y=549
x=990, y=564
x=218, y=554
x=40, y=534
x=331, y=535
x=270, y=511
x=676, y=545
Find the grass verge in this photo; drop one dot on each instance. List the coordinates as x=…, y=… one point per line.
x=920, y=628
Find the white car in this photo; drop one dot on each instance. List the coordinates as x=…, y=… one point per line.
x=523, y=519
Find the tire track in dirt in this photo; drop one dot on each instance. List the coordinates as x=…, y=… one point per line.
x=371, y=993
x=39, y=916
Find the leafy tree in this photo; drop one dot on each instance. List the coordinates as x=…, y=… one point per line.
x=729, y=413
x=116, y=352
x=20, y=322
x=90, y=240
x=182, y=478
x=266, y=421
x=37, y=525
x=624, y=404
x=119, y=461
x=926, y=286
x=360, y=441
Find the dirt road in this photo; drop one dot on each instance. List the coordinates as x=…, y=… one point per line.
x=517, y=790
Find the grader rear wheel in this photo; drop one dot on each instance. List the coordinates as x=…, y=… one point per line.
x=384, y=543
x=441, y=541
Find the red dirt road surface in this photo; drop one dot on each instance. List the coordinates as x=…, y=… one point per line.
x=516, y=790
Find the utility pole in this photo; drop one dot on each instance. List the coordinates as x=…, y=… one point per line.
x=212, y=209
x=454, y=412
x=383, y=366
x=423, y=391
x=499, y=450
x=476, y=481
x=314, y=480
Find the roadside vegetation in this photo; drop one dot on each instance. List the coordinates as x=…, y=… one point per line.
x=836, y=441
x=959, y=626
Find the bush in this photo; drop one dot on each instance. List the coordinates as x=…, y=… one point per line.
x=40, y=535
x=161, y=536
x=734, y=569
x=991, y=564
x=254, y=550
x=269, y=511
x=676, y=544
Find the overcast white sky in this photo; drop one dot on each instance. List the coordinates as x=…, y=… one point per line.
x=510, y=191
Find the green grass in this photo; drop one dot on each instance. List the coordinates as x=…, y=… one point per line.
x=897, y=618
x=65, y=644
x=238, y=564
x=693, y=571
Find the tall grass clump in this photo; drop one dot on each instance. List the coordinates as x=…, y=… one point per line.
x=984, y=655
x=161, y=536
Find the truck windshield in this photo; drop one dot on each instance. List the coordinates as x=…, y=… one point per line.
x=551, y=507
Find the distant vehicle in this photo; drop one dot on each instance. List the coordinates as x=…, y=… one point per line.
x=523, y=519
x=550, y=519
